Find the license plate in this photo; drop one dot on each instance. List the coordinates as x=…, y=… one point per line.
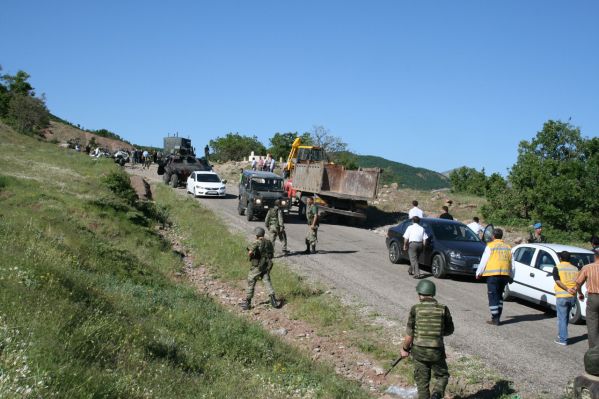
x=265, y=206
x=475, y=266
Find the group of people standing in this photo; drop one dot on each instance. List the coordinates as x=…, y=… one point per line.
x=261, y=252
x=429, y=321
x=265, y=164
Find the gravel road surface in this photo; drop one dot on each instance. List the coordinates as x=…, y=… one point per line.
x=354, y=263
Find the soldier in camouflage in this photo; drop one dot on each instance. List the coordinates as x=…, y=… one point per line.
x=428, y=323
x=260, y=254
x=276, y=225
x=312, y=219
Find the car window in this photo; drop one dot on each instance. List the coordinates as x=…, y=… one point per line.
x=453, y=232
x=207, y=178
x=579, y=260
x=265, y=184
x=524, y=255
x=544, y=261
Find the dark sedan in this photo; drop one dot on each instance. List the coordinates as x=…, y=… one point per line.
x=452, y=248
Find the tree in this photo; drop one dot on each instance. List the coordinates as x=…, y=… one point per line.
x=555, y=179
x=234, y=147
x=468, y=180
x=322, y=137
x=18, y=84
x=27, y=114
x=280, y=143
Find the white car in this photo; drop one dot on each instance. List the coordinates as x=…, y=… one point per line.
x=206, y=183
x=533, y=274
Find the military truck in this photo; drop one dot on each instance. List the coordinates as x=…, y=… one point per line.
x=179, y=161
x=258, y=192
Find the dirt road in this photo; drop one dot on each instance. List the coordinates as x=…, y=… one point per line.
x=354, y=263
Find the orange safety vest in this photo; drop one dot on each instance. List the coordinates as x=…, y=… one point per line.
x=500, y=260
x=567, y=275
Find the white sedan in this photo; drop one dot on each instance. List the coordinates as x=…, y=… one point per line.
x=206, y=183
x=533, y=274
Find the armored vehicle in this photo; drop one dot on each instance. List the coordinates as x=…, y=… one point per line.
x=258, y=192
x=179, y=161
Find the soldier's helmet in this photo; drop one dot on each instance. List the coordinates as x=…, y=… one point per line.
x=426, y=287
x=259, y=231
x=278, y=202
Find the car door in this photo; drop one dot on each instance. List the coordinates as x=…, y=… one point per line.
x=543, y=277
x=190, y=182
x=522, y=262
x=427, y=250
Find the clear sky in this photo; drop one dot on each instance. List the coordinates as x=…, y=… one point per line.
x=436, y=84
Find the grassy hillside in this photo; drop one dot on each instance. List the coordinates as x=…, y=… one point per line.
x=89, y=306
x=405, y=175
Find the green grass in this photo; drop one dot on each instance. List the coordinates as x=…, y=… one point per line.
x=89, y=306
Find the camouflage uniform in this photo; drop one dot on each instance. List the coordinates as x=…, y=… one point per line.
x=276, y=226
x=533, y=238
x=312, y=236
x=428, y=322
x=262, y=251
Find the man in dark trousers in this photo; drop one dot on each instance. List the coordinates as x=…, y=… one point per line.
x=428, y=323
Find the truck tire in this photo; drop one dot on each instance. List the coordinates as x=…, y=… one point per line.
x=240, y=209
x=166, y=178
x=438, y=267
x=249, y=212
x=175, y=180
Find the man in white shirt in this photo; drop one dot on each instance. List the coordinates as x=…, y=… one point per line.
x=415, y=211
x=475, y=226
x=413, y=242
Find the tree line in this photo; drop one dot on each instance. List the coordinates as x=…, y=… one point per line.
x=235, y=147
x=555, y=180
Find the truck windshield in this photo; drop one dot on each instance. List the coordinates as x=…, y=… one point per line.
x=262, y=184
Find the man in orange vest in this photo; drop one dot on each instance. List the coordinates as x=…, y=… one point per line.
x=564, y=275
x=496, y=266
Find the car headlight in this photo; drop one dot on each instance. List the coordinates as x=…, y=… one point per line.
x=455, y=255
x=258, y=201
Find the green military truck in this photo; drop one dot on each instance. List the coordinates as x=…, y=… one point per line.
x=179, y=161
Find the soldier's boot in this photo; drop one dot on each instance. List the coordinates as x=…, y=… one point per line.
x=313, y=248
x=246, y=305
x=274, y=302
x=307, y=251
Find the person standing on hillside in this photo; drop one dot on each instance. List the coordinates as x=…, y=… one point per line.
x=590, y=275
x=445, y=214
x=312, y=219
x=413, y=242
x=564, y=275
x=537, y=236
x=260, y=254
x=428, y=322
x=496, y=266
x=275, y=224
x=415, y=211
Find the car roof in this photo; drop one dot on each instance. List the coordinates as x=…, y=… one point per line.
x=259, y=173
x=556, y=247
x=435, y=221
x=205, y=172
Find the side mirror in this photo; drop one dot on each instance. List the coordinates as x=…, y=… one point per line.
x=224, y=181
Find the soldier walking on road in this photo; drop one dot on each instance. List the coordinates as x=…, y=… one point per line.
x=496, y=266
x=312, y=218
x=428, y=323
x=276, y=225
x=260, y=254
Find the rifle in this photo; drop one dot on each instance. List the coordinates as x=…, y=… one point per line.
x=395, y=363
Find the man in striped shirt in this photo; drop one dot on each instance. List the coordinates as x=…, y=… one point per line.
x=590, y=275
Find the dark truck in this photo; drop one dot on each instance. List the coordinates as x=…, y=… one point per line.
x=258, y=192
x=179, y=161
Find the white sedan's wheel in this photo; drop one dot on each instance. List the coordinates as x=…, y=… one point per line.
x=195, y=193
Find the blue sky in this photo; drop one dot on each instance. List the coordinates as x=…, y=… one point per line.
x=436, y=84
